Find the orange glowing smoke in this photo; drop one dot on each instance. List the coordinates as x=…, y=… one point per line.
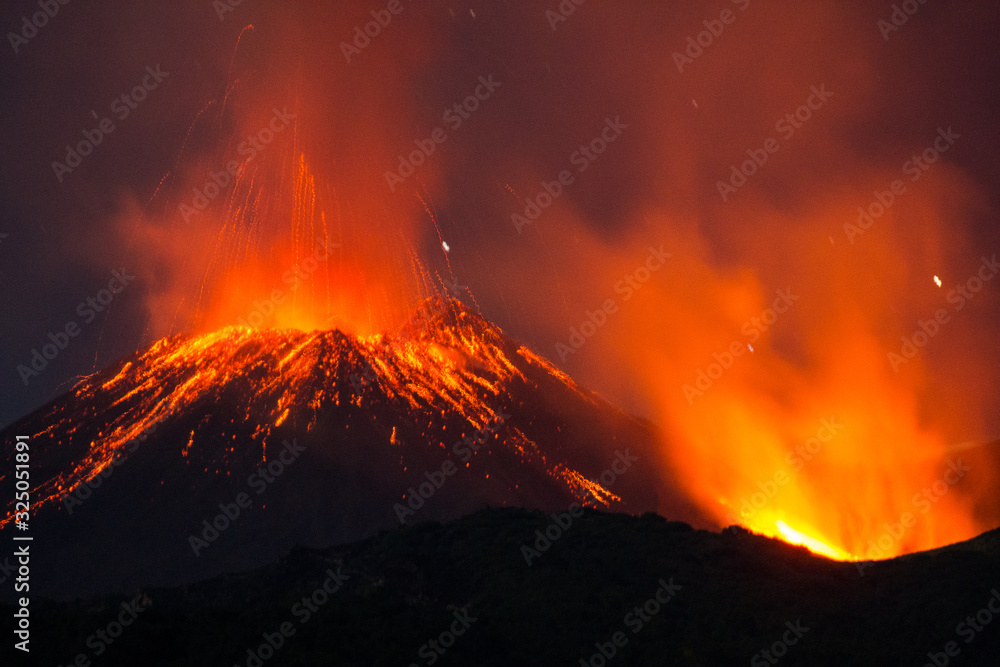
x=804, y=431
x=278, y=252
x=304, y=235
x=886, y=482
x=277, y=264
x=811, y=436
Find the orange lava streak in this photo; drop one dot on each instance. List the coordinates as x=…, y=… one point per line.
x=793, y=536
x=446, y=362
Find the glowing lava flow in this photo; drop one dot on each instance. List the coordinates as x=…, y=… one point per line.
x=793, y=536
x=448, y=369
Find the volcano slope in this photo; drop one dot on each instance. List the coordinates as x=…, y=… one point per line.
x=217, y=453
x=669, y=594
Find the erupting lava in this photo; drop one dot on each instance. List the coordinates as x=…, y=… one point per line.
x=809, y=439
x=843, y=467
x=795, y=537
x=263, y=276
x=846, y=472
x=831, y=449
x=446, y=371
x=779, y=408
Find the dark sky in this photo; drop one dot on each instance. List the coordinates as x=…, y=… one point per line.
x=682, y=123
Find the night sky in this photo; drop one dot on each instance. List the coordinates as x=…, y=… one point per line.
x=635, y=126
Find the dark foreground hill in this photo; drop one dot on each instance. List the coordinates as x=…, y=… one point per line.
x=462, y=593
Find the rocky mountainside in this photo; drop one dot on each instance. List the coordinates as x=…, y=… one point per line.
x=216, y=453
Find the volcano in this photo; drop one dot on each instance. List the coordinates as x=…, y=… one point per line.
x=217, y=453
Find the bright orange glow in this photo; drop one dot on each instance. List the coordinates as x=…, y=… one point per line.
x=793, y=536
x=424, y=368
x=788, y=419
x=281, y=247
x=298, y=279
x=813, y=426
